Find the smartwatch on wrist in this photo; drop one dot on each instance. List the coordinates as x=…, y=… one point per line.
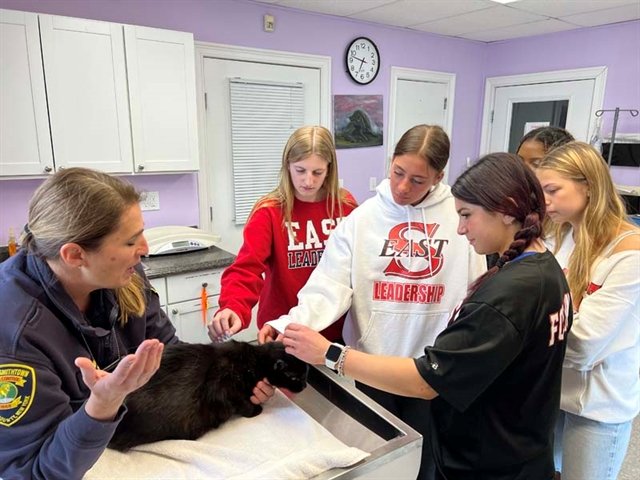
x=332, y=356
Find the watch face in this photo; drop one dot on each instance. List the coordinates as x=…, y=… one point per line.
x=333, y=354
x=363, y=60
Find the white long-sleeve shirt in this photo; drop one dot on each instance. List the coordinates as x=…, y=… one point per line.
x=600, y=377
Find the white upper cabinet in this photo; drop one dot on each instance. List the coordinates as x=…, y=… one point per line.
x=87, y=85
x=25, y=143
x=162, y=95
x=84, y=93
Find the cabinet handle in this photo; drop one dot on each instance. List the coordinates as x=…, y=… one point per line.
x=48, y=168
x=174, y=311
x=140, y=167
x=205, y=285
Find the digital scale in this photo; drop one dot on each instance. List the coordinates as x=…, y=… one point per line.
x=176, y=239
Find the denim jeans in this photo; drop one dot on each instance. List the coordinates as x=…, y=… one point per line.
x=588, y=450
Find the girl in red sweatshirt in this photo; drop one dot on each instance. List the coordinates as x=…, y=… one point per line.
x=285, y=236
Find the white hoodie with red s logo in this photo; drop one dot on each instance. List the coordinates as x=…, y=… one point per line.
x=398, y=270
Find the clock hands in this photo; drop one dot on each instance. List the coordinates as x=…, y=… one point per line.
x=362, y=62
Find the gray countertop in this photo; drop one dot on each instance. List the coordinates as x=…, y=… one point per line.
x=177, y=263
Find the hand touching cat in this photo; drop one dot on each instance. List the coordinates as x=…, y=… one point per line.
x=224, y=324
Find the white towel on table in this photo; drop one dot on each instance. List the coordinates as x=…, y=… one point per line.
x=283, y=442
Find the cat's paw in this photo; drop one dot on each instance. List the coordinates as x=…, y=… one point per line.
x=251, y=410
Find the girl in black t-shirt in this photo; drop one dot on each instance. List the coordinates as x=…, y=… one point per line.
x=494, y=374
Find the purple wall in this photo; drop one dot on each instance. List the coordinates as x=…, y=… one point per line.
x=614, y=46
x=178, y=201
x=239, y=22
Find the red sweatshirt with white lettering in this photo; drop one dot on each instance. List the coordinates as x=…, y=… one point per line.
x=273, y=265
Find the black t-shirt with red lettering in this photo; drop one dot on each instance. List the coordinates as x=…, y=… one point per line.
x=497, y=369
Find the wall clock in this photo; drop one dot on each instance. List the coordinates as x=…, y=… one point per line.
x=363, y=60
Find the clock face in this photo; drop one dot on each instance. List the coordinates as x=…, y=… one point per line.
x=363, y=60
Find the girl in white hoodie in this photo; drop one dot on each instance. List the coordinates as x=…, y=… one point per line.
x=397, y=266
x=599, y=250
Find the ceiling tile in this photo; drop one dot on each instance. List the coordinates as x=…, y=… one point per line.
x=528, y=29
x=562, y=8
x=334, y=7
x=496, y=17
x=405, y=13
x=603, y=17
x=482, y=20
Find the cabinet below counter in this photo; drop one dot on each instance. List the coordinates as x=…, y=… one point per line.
x=163, y=266
x=188, y=287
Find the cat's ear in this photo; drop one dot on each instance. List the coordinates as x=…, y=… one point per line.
x=279, y=365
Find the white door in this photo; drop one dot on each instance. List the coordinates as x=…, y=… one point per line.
x=419, y=97
x=517, y=109
x=86, y=82
x=416, y=103
x=25, y=142
x=162, y=91
x=218, y=132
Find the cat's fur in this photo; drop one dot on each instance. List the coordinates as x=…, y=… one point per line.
x=198, y=387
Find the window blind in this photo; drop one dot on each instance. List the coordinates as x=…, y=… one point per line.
x=263, y=116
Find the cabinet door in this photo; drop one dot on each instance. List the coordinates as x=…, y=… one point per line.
x=188, y=286
x=25, y=143
x=187, y=319
x=86, y=82
x=162, y=89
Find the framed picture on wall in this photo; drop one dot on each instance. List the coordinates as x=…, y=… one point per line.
x=357, y=120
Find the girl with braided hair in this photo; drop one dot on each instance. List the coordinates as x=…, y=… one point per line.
x=494, y=373
x=540, y=141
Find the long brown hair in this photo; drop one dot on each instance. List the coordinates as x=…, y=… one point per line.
x=82, y=206
x=603, y=217
x=302, y=143
x=503, y=183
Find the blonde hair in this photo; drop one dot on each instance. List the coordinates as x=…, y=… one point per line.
x=430, y=142
x=82, y=206
x=603, y=215
x=302, y=143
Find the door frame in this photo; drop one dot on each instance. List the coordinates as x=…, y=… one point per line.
x=401, y=73
x=598, y=74
x=204, y=50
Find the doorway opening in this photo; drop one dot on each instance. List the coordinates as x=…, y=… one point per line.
x=516, y=104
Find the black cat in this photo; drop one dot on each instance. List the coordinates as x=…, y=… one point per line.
x=198, y=387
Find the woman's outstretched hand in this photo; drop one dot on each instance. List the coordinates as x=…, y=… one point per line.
x=108, y=390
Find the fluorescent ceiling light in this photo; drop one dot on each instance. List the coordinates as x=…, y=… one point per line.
x=505, y=1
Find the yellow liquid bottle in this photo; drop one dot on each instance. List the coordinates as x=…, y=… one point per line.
x=12, y=246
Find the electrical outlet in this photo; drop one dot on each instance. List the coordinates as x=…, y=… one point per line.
x=373, y=183
x=341, y=183
x=150, y=201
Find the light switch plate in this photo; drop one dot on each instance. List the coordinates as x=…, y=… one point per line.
x=150, y=201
